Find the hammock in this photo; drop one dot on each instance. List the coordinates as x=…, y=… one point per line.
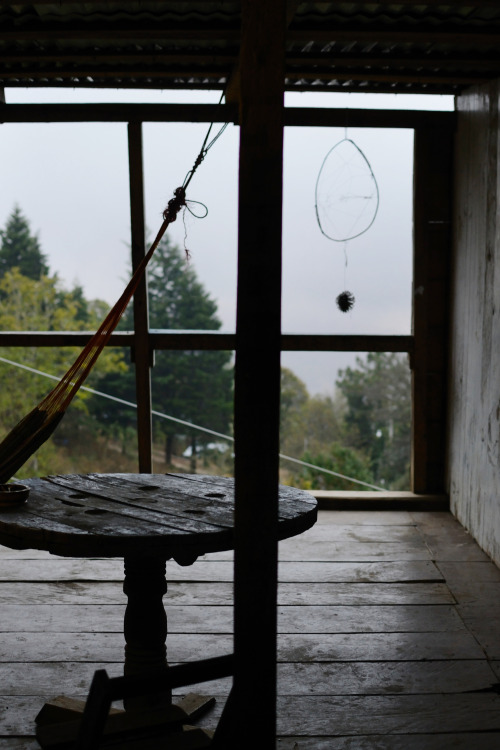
x=37, y=426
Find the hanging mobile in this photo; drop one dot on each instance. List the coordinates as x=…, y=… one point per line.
x=347, y=199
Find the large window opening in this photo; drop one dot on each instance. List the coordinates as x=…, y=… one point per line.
x=346, y=378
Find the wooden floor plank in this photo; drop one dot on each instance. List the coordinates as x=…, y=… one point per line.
x=388, y=715
x=299, y=679
x=354, y=532
x=302, y=647
x=210, y=592
x=482, y=593
x=60, y=569
x=472, y=571
x=344, y=550
x=323, y=716
x=219, y=619
x=381, y=647
x=465, y=741
x=483, y=622
x=102, y=647
x=369, y=517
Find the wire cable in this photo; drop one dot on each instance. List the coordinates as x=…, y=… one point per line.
x=191, y=426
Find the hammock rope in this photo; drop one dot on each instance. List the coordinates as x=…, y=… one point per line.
x=37, y=426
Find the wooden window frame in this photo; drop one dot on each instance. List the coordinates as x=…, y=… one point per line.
x=426, y=346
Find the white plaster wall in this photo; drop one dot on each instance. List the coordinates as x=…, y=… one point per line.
x=474, y=407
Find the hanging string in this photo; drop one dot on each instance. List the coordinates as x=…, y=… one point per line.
x=345, y=263
x=179, y=200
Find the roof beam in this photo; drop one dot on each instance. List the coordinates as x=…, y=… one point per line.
x=382, y=59
x=119, y=113
x=293, y=116
x=398, y=33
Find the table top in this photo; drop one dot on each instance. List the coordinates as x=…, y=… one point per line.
x=114, y=515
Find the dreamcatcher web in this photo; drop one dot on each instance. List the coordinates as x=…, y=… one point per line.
x=347, y=199
x=347, y=195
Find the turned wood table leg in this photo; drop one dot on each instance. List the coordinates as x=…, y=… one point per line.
x=145, y=625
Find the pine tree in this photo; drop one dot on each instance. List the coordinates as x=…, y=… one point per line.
x=21, y=249
x=195, y=386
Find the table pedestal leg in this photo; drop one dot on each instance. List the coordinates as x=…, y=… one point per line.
x=145, y=625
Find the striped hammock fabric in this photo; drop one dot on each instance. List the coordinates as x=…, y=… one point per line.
x=37, y=426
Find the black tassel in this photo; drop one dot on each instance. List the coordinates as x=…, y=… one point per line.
x=345, y=301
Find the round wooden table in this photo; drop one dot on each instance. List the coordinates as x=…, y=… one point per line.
x=147, y=519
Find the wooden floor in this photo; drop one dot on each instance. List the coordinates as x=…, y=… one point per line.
x=389, y=633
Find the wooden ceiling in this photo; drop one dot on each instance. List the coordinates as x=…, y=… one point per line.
x=396, y=47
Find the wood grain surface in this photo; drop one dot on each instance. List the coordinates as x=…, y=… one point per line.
x=113, y=515
x=372, y=655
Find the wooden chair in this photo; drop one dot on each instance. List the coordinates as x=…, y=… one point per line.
x=74, y=725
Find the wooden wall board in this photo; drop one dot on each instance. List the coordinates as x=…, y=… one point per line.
x=474, y=419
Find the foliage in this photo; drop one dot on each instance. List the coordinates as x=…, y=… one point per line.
x=195, y=386
x=378, y=415
x=31, y=302
x=20, y=249
x=306, y=423
x=340, y=459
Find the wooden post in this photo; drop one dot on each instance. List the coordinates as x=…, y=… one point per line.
x=433, y=159
x=257, y=370
x=142, y=350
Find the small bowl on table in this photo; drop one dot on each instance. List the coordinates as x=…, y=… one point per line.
x=12, y=495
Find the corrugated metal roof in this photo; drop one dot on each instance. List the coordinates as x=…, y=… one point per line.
x=416, y=47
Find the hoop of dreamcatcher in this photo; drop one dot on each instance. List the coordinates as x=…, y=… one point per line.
x=346, y=199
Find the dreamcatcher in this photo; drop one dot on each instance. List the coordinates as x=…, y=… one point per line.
x=347, y=200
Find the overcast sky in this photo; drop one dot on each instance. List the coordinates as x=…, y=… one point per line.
x=71, y=181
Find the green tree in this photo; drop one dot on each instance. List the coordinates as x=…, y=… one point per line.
x=39, y=305
x=31, y=300
x=378, y=414
x=307, y=423
x=195, y=386
x=21, y=249
x=340, y=459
